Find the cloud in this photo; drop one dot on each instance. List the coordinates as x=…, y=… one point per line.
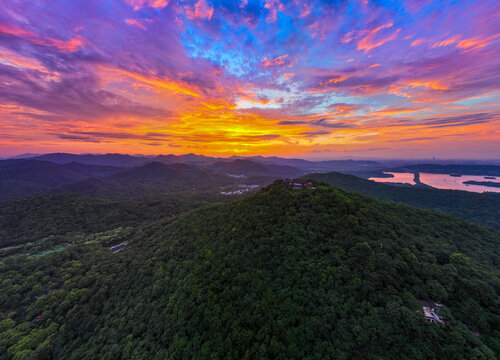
x=315, y=133
x=451, y=121
x=76, y=97
x=394, y=110
x=330, y=123
x=280, y=60
x=98, y=136
x=134, y=22
x=292, y=122
x=345, y=108
x=200, y=10
x=139, y=4
x=18, y=33
x=417, y=42
x=371, y=39
x=365, y=84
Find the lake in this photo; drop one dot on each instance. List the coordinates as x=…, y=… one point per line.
x=442, y=181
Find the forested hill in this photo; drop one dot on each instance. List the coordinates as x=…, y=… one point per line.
x=59, y=216
x=283, y=274
x=481, y=208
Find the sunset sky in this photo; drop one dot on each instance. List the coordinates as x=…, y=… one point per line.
x=315, y=79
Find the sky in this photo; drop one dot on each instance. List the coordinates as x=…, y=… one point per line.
x=314, y=79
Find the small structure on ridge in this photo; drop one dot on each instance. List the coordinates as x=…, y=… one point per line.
x=430, y=308
x=117, y=248
x=297, y=185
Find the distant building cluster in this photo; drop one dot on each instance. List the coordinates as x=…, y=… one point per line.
x=430, y=308
x=243, y=189
x=236, y=176
x=295, y=184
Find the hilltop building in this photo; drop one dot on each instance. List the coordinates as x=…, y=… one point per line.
x=298, y=185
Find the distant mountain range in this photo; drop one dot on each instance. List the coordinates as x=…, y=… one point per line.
x=115, y=175
x=121, y=160
x=100, y=175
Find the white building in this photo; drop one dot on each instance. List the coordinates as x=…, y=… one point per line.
x=430, y=308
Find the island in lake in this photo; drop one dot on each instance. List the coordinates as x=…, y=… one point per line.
x=483, y=183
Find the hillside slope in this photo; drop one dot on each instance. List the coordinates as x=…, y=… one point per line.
x=283, y=274
x=60, y=215
x=481, y=208
x=23, y=178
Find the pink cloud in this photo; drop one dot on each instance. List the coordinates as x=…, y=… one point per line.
x=280, y=60
x=69, y=46
x=447, y=42
x=136, y=23
x=273, y=6
x=476, y=42
x=371, y=39
x=139, y=4
x=417, y=42
x=201, y=10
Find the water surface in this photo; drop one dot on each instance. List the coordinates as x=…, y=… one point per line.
x=442, y=181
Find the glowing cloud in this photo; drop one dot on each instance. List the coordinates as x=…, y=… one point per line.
x=138, y=4
x=201, y=10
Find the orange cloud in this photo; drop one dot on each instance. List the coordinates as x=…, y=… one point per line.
x=467, y=44
x=336, y=80
x=368, y=38
x=248, y=95
x=368, y=43
x=201, y=10
x=375, y=65
x=155, y=82
x=273, y=62
x=344, y=108
x=434, y=85
x=476, y=42
x=139, y=4
x=218, y=105
x=447, y=42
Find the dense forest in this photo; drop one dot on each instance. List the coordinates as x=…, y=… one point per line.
x=283, y=274
x=60, y=215
x=481, y=208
